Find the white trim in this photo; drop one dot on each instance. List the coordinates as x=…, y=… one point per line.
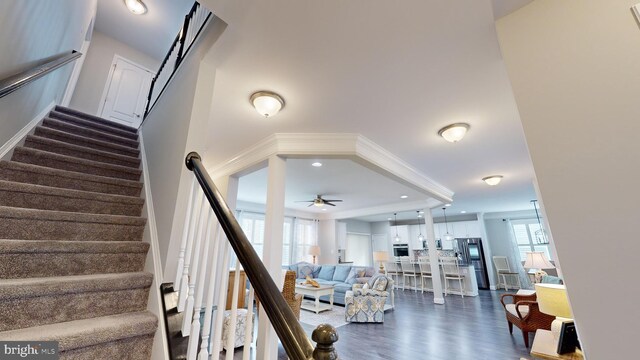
x=155, y=250
x=15, y=140
x=107, y=85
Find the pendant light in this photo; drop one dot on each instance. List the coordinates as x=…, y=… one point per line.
x=446, y=236
x=397, y=237
x=420, y=236
x=541, y=236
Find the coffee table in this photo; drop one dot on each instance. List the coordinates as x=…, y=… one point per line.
x=315, y=292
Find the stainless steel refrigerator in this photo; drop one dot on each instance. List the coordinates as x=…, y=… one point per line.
x=472, y=253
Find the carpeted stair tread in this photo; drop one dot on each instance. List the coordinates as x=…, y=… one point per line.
x=34, y=224
x=35, y=287
x=38, y=301
x=83, y=122
x=85, y=142
x=46, y=176
x=77, y=151
x=97, y=119
x=90, y=133
x=46, y=258
x=69, y=163
x=88, y=333
x=15, y=194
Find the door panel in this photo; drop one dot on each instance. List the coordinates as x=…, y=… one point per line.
x=127, y=93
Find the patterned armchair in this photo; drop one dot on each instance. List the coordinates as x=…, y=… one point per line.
x=365, y=302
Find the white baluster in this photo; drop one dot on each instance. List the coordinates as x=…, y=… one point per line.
x=222, y=297
x=231, y=332
x=248, y=331
x=184, y=282
x=193, y=271
x=185, y=234
x=213, y=283
x=192, y=349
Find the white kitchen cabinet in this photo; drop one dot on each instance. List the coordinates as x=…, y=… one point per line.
x=403, y=233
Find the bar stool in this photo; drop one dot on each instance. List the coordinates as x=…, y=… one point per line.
x=409, y=271
x=451, y=271
x=425, y=271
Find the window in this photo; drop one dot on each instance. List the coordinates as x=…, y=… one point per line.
x=287, y=235
x=253, y=226
x=528, y=236
x=305, y=235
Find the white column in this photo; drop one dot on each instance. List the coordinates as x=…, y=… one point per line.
x=433, y=258
x=267, y=344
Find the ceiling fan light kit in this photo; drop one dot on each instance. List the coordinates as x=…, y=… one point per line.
x=267, y=103
x=454, y=132
x=320, y=202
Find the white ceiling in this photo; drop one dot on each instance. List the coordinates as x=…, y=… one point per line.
x=506, y=7
x=151, y=33
x=394, y=73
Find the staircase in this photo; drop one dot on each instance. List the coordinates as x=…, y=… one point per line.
x=71, y=250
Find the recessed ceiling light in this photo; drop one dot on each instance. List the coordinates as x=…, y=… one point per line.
x=493, y=180
x=324, y=209
x=136, y=6
x=463, y=212
x=454, y=132
x=447, y=205
x=316, y=164
x=403, y=196
x=389, y=219
x=421, y=212
x=267, y=103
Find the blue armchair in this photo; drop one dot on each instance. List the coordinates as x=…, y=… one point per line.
x=365, y=304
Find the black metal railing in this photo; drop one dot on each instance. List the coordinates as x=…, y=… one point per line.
x=289, y=331
x=193, y=24
x=14, y=82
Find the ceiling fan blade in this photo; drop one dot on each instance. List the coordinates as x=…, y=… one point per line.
x=328, y=203
x=336, y=200
x=305, y=201
x=310, y=204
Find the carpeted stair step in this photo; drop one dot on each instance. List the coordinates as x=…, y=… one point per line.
x=21, y=195
x=63, y=148
x=40, y=175
x=89, y=133
x=38, y=301
x=123, y=336
x=94, y=118
x=32, y=224
x=63, y=162
x=78, y=121
x=47, y=258
x=85, y=142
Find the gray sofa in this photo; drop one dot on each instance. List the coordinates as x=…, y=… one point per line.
x=341, y=276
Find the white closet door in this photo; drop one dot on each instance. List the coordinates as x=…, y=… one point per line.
x=359, y=249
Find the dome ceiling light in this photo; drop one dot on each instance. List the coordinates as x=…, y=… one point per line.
x=136, y=6
x=493, y=180
x=267, y=103
x=454, y=132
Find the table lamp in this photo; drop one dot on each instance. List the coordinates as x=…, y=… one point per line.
x=537, y=260
x=552, y=300
x=314, y=250
x=381, y=257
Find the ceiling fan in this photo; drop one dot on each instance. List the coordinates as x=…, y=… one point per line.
x=319, y=201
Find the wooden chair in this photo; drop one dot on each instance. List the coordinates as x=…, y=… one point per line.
x=425, y=270
x=409, y=271
x=393, y=271
x=503, y=270
x=289, y=293
x=451, y=271
x=523, y=312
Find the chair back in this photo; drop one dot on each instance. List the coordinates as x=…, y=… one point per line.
x=407, y=267
x=501, y=264
x=450, y=265
x=391, y=266
x=289, y=285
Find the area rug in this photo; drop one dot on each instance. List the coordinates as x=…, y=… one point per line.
x=333, y=317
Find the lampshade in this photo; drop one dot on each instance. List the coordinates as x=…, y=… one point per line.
x=454, y=132
x=380, y=256
x=552, y=299
x=267, y=103
x=314, y=250
x=537, y=260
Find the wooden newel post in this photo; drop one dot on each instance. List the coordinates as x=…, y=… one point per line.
x=324, y=336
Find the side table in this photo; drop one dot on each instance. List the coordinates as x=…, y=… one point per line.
x=544, y=347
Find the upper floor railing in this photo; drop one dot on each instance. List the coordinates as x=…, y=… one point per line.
x=203, y=279
x=193, y=24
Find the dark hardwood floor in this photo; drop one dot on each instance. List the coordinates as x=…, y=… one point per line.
x=472, y=328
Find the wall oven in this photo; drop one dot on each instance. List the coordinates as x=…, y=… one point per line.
x=400, y=250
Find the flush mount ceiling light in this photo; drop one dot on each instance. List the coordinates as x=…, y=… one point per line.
x=316, y=164
x=492, y=180
x=403, y=196
x=447, y=205
x=136, y=6
x=454, y=132
x=267, y=103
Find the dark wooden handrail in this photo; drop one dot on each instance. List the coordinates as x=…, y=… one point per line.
x=14, y=82
x=291, y=334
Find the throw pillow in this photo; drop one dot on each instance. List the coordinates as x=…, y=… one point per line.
x=305, y=269
x=341, y=273
x=362, y=280
x=373, y=279
x=369, y=272
x=548, y=279
x=353, y=274
x=326, y=272
x=381, y=283
x=365, y=286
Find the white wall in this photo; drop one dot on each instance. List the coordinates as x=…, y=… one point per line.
x=34, y=30
x=573, y=65
x=93, y=77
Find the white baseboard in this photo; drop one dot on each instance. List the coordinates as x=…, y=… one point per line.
x=160, y=347
x=15, y=140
